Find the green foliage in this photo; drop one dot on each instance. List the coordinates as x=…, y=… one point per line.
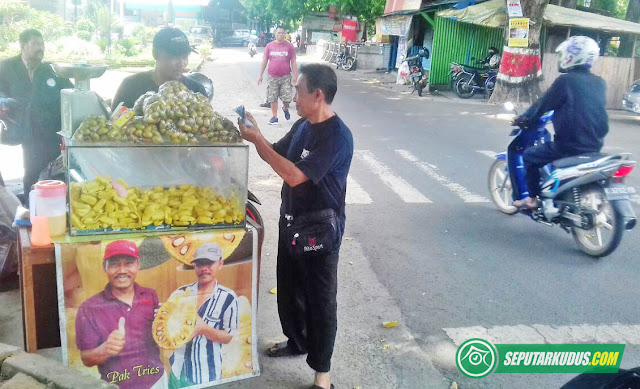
x=84, y=24
x=616, y=8
x=140, y=34
x=84, y=35
x=102, y=44
x=16, y=16
x=204, y=48
x=127, y=47
x=291, y=12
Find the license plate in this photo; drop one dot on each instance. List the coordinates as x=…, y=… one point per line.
x=620, y=192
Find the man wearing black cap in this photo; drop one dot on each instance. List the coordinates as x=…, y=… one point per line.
x=171, y=51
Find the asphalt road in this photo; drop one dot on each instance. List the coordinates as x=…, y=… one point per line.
x=451, y=265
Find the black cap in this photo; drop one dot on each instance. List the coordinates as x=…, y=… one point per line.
x=172, y=41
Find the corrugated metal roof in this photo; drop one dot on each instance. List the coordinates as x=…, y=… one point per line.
x=493, y=14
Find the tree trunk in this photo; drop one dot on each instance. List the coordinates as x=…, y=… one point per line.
x=520, y=73
x=626, y=41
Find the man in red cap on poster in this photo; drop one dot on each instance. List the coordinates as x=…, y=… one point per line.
x=113, y=328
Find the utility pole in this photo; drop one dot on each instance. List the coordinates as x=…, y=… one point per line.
x=109, y=24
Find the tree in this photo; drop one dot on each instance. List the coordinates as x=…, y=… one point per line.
x=520, y=73
x=626, y=42
x=289, y=12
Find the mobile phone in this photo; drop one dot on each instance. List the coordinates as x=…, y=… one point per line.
x=240, y=111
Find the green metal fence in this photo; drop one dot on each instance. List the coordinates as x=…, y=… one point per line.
x=459, y=42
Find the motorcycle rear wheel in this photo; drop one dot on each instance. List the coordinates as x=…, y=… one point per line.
x=418, y=86
x=461, y=87
x=608, y=228
x=348, y=63
x=500, y=189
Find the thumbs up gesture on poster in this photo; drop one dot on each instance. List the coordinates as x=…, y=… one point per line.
x=115, y=341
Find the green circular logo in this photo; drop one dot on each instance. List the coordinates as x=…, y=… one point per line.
x=476, y=358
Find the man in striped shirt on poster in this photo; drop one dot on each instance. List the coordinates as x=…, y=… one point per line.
x=200, y=360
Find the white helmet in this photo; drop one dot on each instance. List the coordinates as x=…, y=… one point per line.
x=577, y=51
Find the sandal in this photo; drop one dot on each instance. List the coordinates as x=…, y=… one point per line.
x=527, y=203
x=320, y=387
x=283, y=349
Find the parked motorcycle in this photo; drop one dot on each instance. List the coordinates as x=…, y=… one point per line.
x=467, y=80
x=345, y=60
x=584, y=194
x=416, y=72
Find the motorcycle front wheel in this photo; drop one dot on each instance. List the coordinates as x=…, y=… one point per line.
x=606, y=233
x=490, y=85
x=348, y=63
x=500, y=189
x=462, y=87
x=418, y=86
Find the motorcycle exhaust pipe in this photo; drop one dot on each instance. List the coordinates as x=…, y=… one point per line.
x=625, y=210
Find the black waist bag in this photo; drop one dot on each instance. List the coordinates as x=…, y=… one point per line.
x=313, y=234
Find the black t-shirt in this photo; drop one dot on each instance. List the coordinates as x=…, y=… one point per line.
x=323, y=152
x=138, y=84
x=580, y=120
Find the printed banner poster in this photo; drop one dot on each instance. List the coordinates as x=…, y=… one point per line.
x=519, y=32
x=349, y=30
x=514, y=9
x=186, y=325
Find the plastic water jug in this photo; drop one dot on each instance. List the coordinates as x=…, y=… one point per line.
x=49, y=198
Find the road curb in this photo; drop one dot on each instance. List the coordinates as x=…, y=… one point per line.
x=49, y=373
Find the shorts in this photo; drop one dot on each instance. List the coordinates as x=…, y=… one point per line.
x=279, y=87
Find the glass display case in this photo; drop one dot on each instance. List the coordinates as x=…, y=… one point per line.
x=128, y=188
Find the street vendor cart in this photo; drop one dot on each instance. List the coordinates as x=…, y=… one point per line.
x=164, y=178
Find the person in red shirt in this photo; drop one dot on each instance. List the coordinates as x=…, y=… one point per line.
x=280, y=55
x=113, y=327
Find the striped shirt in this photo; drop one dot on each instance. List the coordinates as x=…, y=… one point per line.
x=201, y=359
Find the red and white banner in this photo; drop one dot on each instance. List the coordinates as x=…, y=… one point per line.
x=349, y=30
x=519, y=65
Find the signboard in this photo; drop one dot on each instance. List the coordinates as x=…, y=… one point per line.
x=349, y=30
x=514, y=8
x=519, y=32
x=392, y=6
x=185, y=326
x=396, y=25
x=322, y=23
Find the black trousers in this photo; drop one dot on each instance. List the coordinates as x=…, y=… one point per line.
x=36, y=157
x=535, y=158
x=307, y=306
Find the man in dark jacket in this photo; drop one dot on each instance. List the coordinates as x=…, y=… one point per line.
x=580, y=119
x=171, y=51
x=36, y=87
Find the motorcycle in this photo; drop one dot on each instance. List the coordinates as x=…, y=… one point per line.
x=467, y=80
x=416, y=72
x=344, y=60
x=583, y=194
x=252, y=49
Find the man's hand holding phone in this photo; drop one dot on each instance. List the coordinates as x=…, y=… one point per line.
x=249, y=133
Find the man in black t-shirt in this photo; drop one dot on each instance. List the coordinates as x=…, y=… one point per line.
x=171, y=51
x=313, y=159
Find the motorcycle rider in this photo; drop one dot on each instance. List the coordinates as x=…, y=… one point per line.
x=253, y=41
x=580, y=119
